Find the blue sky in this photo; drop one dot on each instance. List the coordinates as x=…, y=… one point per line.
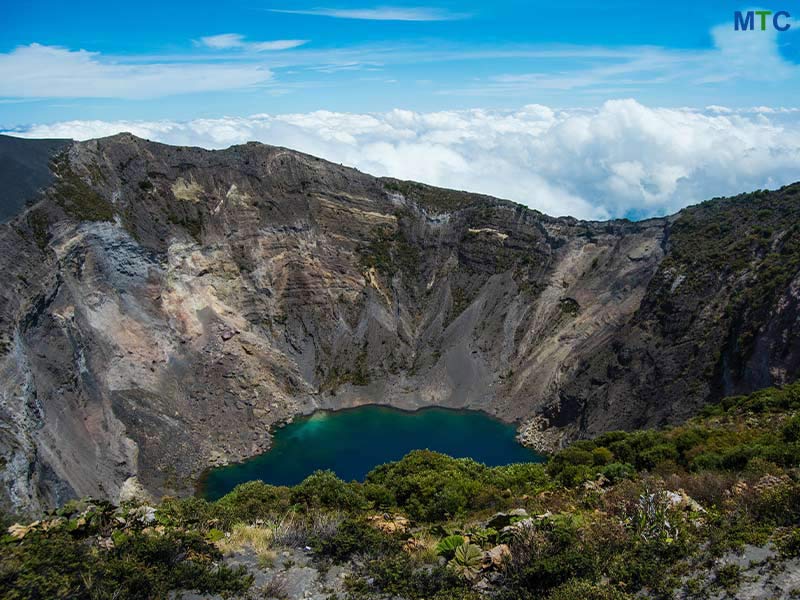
x=593, y=109
x=206, y=59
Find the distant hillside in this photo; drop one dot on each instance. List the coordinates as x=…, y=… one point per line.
x=24, y=169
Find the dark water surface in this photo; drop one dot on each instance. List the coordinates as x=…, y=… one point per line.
x=352, y=442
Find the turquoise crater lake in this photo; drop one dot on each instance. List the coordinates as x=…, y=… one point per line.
x=352, y=442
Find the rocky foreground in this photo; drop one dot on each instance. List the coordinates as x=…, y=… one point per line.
x=163, y=307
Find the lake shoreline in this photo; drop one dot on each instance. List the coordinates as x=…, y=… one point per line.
x=451, y=419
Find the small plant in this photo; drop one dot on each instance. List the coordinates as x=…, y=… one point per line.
x=729, y=578
x=447, y=546
x=467, y=561
x=287, y=530
x=485, y=536
x=276, y=588
x=789, y=543
x=569, y=306
x=652, y=520
x=583, y=590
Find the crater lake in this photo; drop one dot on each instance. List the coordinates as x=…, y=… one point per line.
x=354, y=441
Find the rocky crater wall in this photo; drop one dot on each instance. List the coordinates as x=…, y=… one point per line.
x=164, y=306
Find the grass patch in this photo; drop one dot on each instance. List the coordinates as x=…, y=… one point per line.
x=78, y=199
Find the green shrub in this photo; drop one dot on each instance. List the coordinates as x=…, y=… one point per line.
x=191, y=511
x=354, y=536
x=688, y=439
x=324, y=490
x=778, y=505
x=788, y=543
x=250, y=501
x=652, y=457
x=585, y=590
x=396, y=575
x=485, y=537
x=430, y=486
x=574, y=456
x=602, y=456
x=736, y=458
x=729, y=577
x=616, y=472
x=63, y=564
x=572, y=465
x=706, y=461
x=571, y=476
x=791, y=430
x=547, y=554
x=628, y=448
x=519, y=477
x=380, y=496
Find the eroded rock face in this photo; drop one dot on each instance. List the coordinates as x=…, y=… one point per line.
x=164, y=306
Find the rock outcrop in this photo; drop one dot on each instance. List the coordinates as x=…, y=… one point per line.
x=163, y=306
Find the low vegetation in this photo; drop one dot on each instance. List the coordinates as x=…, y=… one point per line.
x=751, y=243
x=78, y=199
x=628, y=513
x=389, y=251
x=429, y=197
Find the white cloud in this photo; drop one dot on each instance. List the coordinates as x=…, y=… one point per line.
x=275, y=45
x=735, y=57
x=227, y=41
x=223, y=41
x=620, y=159
x=38, y=71
x=736, y=63
x=382, y=13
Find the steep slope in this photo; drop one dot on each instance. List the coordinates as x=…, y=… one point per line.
x=24, y=169
x=720, y=317
x=165, y=306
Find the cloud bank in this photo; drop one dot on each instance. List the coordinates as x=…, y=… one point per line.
x=622, y=159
